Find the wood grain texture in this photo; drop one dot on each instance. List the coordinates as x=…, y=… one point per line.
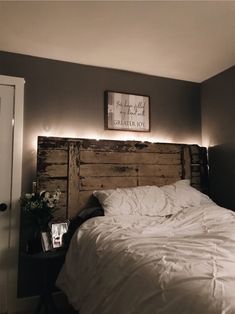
x=108, y=170
x=195, y=154
x=73, y=176
x=91, y=157
x=164, y=171
x=80, y=166
x=54, y=156
x=98, y=183
x=51, y=184
x=54, y=170
x=186, y=162
x=49, y=143
x=129, y=146
x=157, y=180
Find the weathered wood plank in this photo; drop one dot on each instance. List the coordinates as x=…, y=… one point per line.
x=55, y=156
x=63, y=201
x=204, y=170
x=53, y=170
x=195, y=149
x=186, y=163
x=195, y=170
x=195, y=159
x=50, y=184
x=108, y=170
x=97, y=183
x=196, y=173
x=167, y=171
x=203, y=155
x=129, y=158
x=73, y=176
x=114, y=170
x=61, y=212
x=110, y=164
x=129, y=146
x=196, y=180
x=85, y=200
x=156, y=181
x=195, y=154
x=52, y=143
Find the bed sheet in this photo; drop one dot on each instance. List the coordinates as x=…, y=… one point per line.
x=140, y=265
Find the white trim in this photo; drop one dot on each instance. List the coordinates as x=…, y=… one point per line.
x=15, y=304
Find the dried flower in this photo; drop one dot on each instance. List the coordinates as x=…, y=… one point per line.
x=39, y=207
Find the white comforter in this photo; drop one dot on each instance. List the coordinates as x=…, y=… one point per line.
x=140, y=265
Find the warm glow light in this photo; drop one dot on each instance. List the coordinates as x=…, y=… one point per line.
x=113, y=135
x=161, y=139
x=189, y=140
x=206, y=142
x=61, y=133
x=34, y=143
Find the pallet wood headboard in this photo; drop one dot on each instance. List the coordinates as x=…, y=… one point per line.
x=79, y=166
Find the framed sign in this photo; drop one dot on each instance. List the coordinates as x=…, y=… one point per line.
x=57, y=232
x=127, y=112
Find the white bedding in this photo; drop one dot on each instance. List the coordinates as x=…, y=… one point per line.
x=145, y=265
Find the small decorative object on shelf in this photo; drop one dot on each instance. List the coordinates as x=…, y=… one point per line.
x=55, y=237
x=58, y=230
x=38, y=210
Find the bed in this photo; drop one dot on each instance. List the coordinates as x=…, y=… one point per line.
x=181, y=264
x=162, y=246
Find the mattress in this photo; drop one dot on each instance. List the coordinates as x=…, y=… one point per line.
x=182, y=264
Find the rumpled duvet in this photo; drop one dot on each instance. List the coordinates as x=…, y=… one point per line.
x=145, y=265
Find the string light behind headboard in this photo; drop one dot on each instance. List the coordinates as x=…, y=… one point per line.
x=80, y=166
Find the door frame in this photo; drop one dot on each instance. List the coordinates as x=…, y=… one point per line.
x=14, y=210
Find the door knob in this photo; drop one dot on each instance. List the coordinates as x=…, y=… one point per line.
x=3, y=207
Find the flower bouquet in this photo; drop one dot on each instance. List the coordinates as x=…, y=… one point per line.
x=39, y=207
x=38, y=210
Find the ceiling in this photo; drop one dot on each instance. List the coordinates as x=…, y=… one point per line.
x=188, y=40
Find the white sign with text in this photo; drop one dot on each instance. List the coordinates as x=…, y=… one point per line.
x=128, y=112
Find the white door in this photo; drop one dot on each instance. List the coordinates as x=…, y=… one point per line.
x=6, y=146
x=11, y=142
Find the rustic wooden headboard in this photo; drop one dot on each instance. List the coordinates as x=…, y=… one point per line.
x=79, y=166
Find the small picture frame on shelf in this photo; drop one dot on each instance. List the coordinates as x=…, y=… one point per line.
x=57, y=232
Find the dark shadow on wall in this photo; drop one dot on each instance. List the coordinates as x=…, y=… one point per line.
x=222, y=174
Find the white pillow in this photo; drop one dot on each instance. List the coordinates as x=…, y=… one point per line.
x=182, y=195
x=141, y=200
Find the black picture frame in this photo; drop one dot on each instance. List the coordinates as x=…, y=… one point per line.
x=126, y=112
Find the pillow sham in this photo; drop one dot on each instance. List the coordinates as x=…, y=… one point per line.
x=141, y=200
x=182, y=195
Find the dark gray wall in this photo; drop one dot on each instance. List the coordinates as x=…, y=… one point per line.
x=218, y=132
x=66, y=99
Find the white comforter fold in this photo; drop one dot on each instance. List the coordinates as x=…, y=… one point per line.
x=138, y=265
